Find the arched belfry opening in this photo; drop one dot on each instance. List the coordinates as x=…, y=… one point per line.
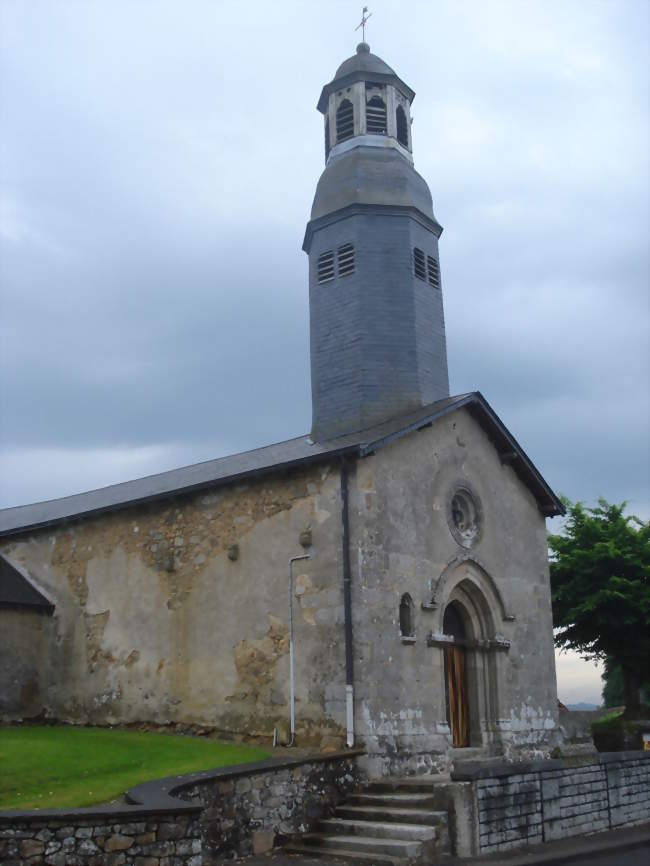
x=344, y=121
x=456, y=688
x=376, y=116
x=402, y=127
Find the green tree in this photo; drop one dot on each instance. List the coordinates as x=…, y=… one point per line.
x=600, y=582
x=613, y=694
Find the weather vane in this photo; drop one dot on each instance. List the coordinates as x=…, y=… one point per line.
x=364, y=18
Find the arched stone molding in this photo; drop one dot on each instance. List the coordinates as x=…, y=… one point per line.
x=466, y=583
x=476, y=574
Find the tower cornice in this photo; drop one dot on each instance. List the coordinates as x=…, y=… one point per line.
x=358, y=208
x=362, y=75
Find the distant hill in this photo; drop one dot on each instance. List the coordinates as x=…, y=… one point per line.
x=583, y=706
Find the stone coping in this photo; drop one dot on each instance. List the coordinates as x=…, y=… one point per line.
x=160, y=795
x=473, y=771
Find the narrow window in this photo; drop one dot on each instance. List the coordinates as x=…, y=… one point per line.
x=402, y=128
x=327, y=137
x=406, y=616
x=418, y=261
x=346, y=260
x=326, y=267
x=433, y=269
x=344, y=121
x=376, y=116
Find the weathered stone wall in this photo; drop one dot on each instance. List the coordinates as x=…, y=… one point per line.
x=251, y=813
x=545, y=801
x=400, y=503
x=168, y=840
x=155, y=621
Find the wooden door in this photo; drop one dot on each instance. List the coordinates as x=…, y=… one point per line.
x=456, y=688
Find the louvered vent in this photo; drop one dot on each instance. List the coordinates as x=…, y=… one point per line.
x=376, y=116
x=327, y=137
x=419, y=265
x=433, y=269
x=326, y=267
x=344, y=121
x=402, y=129
x=346, y=260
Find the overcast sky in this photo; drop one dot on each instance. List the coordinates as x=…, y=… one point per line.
x=157, y=166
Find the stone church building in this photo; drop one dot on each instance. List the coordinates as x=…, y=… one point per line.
x=416, y=621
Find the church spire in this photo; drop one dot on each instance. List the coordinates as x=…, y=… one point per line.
x=376, y=319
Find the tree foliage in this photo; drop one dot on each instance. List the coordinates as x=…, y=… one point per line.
x=600, y=581
x=613, y=692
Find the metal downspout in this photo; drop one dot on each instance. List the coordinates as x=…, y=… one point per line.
x=347, y=607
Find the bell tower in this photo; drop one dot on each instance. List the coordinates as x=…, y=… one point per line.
x=377, y=327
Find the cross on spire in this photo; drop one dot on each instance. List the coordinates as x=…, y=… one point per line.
x=364, y=19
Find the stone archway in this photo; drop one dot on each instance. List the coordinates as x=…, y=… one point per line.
x=468, y=607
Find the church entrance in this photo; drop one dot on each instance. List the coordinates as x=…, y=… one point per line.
x=456, y=677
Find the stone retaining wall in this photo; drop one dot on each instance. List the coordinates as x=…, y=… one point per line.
x=167, y=840
x=525, y=804
x=250, y=813
x=193, y=820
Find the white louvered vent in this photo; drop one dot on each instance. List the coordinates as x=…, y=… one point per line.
x=326, y=267
x=376, y=116
x=346, y=260
x=344, y=121
x=433, y=269
x=419, y=264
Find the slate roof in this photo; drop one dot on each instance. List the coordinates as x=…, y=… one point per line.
x=363, y=66
x=278, y=457
x=18, y=591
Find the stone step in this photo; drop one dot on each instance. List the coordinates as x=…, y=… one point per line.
x=409, y=783
x=378, y=829
x=402, y=848
x=391, y=798
x=393, y=814
x=342, y=854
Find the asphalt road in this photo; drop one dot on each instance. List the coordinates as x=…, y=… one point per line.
x=632, y=857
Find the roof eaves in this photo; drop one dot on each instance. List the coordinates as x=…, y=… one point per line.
x=548, y=503
x=317, y=457
x=520, y=461
x=362, y=75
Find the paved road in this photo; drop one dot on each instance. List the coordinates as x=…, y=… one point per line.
x=632, y=857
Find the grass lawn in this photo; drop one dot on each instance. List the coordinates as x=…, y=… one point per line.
x=46, y=767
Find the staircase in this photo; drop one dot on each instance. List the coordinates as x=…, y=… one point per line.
x=388, y=822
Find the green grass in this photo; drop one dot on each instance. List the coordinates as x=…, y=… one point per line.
x=46, y=767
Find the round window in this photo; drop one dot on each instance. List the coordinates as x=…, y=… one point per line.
x=464, y=517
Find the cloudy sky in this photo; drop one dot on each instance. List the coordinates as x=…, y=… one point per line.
x=157, y=166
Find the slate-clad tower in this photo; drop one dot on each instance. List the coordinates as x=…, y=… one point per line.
x=377, y=325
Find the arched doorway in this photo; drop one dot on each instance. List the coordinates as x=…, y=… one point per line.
x=456, y=676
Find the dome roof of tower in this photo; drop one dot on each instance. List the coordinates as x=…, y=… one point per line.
x=371, y=176
x=363, y=66
x=363, y=61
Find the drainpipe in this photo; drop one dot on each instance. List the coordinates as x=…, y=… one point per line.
x=291, y=683
x=347, y=607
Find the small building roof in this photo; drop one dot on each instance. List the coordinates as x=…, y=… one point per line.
x=279, y=457
x=17, y=589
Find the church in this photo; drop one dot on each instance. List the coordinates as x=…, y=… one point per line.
x=381, y=582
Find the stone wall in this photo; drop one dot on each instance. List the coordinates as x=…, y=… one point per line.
x=120, y=840
x=400, y=522
x=195, y=820
x=526, y=804
x=251, y=812
x=176, y=611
